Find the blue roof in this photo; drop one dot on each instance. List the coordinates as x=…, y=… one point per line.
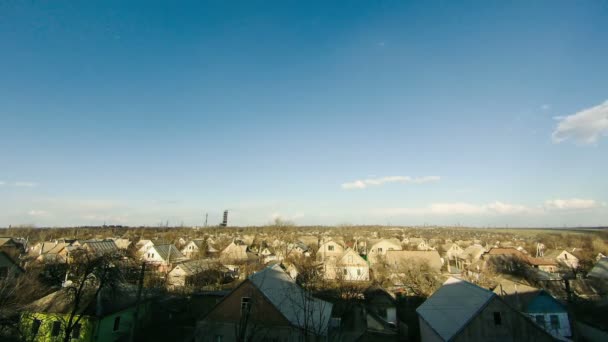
x=545, y=303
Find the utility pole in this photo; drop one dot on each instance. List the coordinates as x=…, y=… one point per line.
x=206, y=217
x=139, y=288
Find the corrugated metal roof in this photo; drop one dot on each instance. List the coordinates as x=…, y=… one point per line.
x=166, y=251
x=600, y=270
x=451, y=307
x=106, y=246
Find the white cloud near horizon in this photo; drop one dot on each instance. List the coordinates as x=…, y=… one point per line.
x=25, y=184
x=364, y=183
x=2, y=183
x=458, y=208
x=494, y=208
x=571, y=204
x=37, y=213
x=585, y=126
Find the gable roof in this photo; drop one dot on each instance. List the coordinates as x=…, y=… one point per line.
x=193, y=267
x=432, y=258
x=357, y=259
x=7, y=261
x=110, y=300
x=453, y=306
x=7, y=241
x=290, y=299
x=52, y=247
x=168, y=251
x=600, y=270
x=105, y=246
x=516, y=294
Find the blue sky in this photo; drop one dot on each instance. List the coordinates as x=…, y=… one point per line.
x=386, y=112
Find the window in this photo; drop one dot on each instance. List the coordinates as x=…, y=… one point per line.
x=36, y=326
x=116, y=323
x=345, y=272
x=554, y=322
x=358, y=271
x=540, y=320
x=497, y=318
x=245, y=305
x=379, y=249
x=330, y=248
x=56, y=328
x=566, y=256
x=382, y=313
x=3, y=272
x=76, y=331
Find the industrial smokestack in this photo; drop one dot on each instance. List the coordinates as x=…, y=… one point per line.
x=225, y=220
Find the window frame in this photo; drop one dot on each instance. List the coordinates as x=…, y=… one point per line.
x=245, y=305
x=36, y=324
x=497, y=318
x=55, y=328
x=116, y=326
x=76, y=331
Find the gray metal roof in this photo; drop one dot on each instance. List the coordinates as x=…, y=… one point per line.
x=292, y=301
x=168, y=251
x=600, y=270
x=105, y=246
x=451, y=307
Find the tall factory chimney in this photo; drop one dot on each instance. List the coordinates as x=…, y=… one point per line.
x=225, y=220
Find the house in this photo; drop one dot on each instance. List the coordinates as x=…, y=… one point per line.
x=462, y=311
x=197, y=273
x=13, y=247
x=108, y=316
x=121, y=243
x=143, y=245
x=544, y=265
x=378, y=250
x=400, y=258
x=543, y=308
x=163, y=256
x=469, y=255
x=50, y=251
x=452, y=250
x=194, y=248
x=329, y=249
x=236, y=252
x=562, y=257
x=600, y=270
x=8, y=267
x=100, y=247
x=269, y=305
x=350, y=266
x=382, y=302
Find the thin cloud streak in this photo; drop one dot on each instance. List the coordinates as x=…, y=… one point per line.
x=364, y=183
x=25, y=184
x=494, y=208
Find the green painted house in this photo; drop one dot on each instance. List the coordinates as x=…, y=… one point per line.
x=109, y=316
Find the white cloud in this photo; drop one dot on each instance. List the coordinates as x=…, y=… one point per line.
x=459, y=208
x=364, y=183
x=545, y=106
x=26, y=184
x=571, y=204
x=37, y=213
x=586, y=126
x=2, y=183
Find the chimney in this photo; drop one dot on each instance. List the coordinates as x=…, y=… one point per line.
x=225, y=220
